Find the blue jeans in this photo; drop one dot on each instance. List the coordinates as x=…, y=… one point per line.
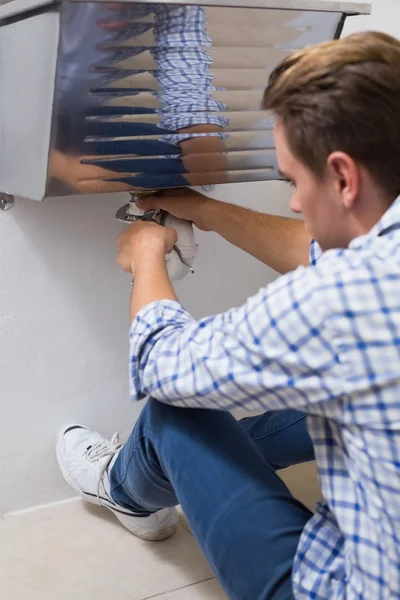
x=223, y=473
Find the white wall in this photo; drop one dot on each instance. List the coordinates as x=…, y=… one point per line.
x=385, y=17
x=64, y=325
x=64, y=316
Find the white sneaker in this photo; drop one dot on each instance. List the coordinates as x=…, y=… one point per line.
x=85, y=458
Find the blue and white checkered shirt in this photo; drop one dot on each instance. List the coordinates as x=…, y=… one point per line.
x=184, y=69
x=326, y=340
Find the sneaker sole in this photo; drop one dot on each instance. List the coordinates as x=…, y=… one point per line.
x=167, y=529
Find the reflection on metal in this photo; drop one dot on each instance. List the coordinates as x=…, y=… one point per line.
x=152, y=95
x=6, y=201
x=157, y=95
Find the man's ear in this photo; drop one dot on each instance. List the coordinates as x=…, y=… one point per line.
x=346, y=175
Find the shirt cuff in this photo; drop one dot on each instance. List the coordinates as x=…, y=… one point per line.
x=155, y=321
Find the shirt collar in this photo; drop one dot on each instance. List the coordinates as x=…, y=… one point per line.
x=388, y=220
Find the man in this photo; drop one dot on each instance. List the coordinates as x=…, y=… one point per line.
x=324, y=340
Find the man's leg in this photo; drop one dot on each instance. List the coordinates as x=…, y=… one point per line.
x=281, y=437
x=243, y=516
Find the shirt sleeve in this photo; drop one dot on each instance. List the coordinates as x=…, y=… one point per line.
x=184, y=71
x=274, y=352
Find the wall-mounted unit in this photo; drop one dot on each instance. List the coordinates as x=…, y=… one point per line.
x=104, y=97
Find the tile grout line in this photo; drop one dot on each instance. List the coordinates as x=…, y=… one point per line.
x=39, y=507
x=184, y=587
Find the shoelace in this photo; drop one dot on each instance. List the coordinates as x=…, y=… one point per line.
x=103, y=450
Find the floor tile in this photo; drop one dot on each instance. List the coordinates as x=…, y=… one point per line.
x=208, y=590
x=182, y=519
x=80, y=552
x=302, y=480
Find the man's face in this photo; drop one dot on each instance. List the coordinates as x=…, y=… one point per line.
x=316, y=199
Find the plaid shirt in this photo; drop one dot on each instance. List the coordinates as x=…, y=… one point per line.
x=184, y=75
x=325, y=340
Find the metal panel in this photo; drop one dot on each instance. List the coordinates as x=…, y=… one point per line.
x=28, y=58
x=157, y=95
x=15, y=7
x=145, y=95
x=314, y=5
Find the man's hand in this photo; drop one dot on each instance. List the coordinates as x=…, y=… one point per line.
x=279, y=242
x=182, y=203
x=143, y=240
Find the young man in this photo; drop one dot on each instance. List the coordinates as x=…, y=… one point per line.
x=323, y=340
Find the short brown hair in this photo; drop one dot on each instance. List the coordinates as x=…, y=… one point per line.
x=343, y=95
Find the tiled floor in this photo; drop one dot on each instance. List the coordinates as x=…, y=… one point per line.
x=74, y=551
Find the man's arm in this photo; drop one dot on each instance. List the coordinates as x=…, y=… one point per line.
x=150, y=277
x=276, y=351
x=279, y=242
